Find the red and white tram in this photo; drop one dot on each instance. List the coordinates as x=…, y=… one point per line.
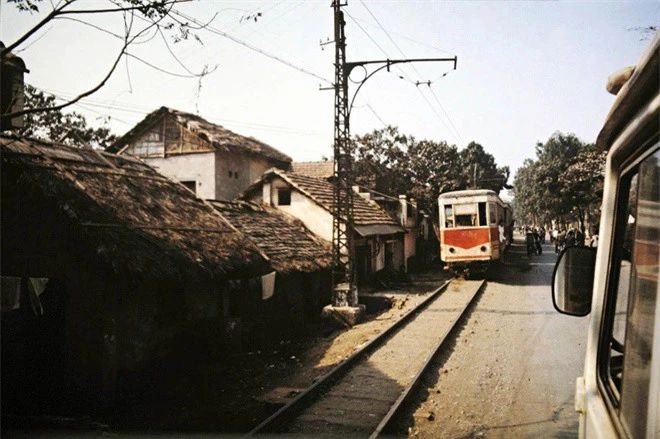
x=468, y=232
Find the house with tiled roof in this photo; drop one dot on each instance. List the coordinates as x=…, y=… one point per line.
x=209, y=159
x=321, y=169
x=301, y=261
x=111, y=274
x=404, y=211
x=379, y=239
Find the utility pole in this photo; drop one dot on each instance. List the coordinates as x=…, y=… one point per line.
x=343, y=245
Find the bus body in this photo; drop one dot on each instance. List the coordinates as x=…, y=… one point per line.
x=468, y=229
x=618, y=284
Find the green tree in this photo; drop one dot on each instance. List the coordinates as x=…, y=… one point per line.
x=525, y=195
x=380, y=160
x=58, y=126
x=563, y=184
x=480, y=170
x=582, y=184
x=393, y=163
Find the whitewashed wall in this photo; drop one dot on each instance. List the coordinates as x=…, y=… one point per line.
x=315, y=218
x=189, y=167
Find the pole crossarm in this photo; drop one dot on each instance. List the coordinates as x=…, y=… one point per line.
x=349, y=66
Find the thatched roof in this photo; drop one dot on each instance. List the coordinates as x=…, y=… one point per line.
x=132, y=217
x=321, y=192
x=322, y=170
x=219, y=137
x=283, y=238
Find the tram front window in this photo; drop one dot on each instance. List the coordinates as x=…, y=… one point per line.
x=466, y=215
x=466, y=220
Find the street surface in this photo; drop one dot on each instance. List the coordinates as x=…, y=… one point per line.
x=512, y=368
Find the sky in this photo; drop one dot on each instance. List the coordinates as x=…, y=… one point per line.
x=525, y=69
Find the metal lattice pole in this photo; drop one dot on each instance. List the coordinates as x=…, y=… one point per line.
x=343, y=246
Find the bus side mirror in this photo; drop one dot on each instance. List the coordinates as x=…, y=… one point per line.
x=573, y=281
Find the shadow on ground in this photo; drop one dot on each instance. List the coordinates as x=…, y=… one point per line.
x=520, y=269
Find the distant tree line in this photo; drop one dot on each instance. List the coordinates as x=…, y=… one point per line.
x=393, y=163
x=563, y=184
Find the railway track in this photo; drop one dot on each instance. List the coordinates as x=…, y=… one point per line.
x=361, y=395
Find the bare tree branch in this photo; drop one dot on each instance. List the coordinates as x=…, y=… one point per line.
x=54, y=13
x=98, y=28
x=128, y=40
x=178, y=75
x=60, y=11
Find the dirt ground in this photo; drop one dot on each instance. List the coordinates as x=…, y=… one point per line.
x=511, y=370
x=248, y=388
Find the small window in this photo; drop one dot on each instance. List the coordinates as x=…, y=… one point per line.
x=231, y=174
x=236, y=175
x=190, y=184
x=449, y=216
x=482, y=214
x=492, y=212
x=284, y=197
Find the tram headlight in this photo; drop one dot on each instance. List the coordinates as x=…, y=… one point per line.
x=452, y=250
x=483, y=248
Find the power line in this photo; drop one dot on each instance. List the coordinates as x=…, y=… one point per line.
x=418, y=74
x=253, y=48
x=388, y=36
x=127, y=108
x=367, y=34
x=430, y=46
x=377, y=116
x=447, y=115
x=438, y=114
x=288, y=11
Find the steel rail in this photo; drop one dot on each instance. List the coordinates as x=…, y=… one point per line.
x=289, y=410
x=386, y=423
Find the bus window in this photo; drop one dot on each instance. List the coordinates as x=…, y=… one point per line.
x=449, y=216
x=625, y=350
x=466, y=215
x=482, y=214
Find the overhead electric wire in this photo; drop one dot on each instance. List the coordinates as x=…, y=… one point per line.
x=367, y=34
x=254, y=48
x=377, y=116
x=410, y=80
x=137, y=110
x=288, y=11
x=445, y=112
x=252, y=13
x=273, y=39
x=430, y=46
x=457, y=135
